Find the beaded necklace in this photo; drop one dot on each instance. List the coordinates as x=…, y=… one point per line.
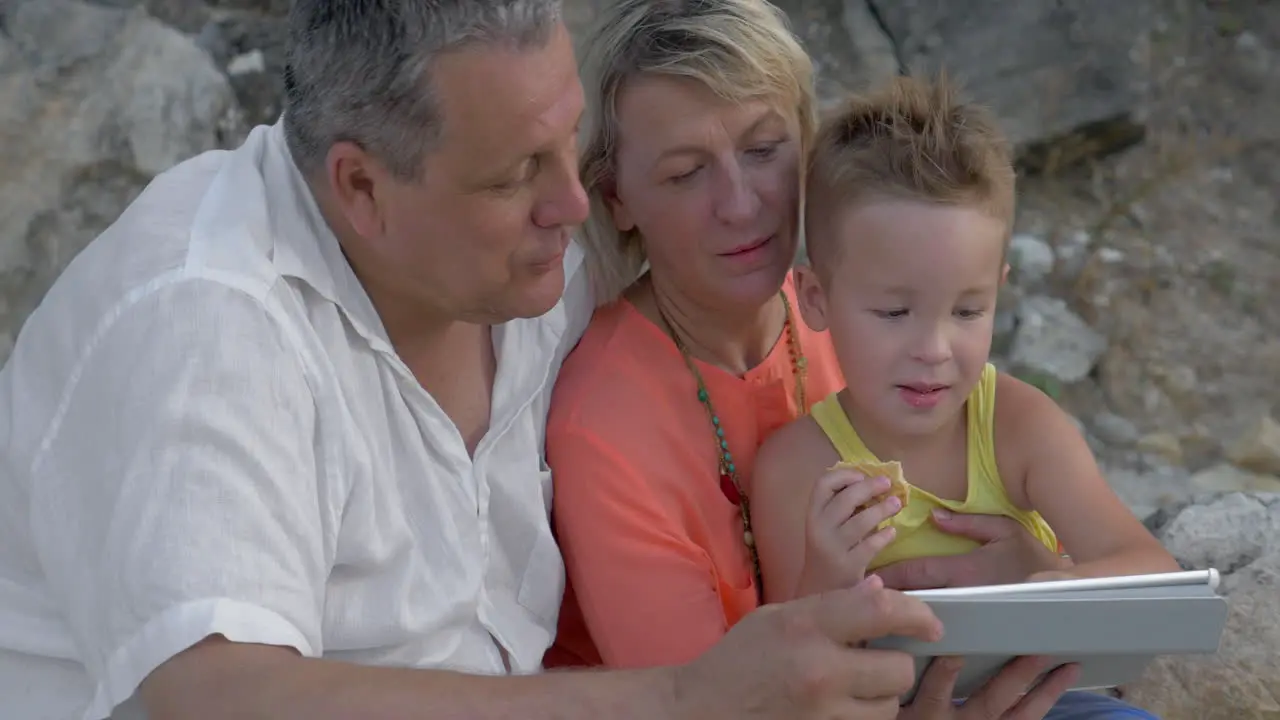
x=730, y=485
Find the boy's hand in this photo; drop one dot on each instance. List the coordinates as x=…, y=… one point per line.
x=841, y=537
x=1009, y=553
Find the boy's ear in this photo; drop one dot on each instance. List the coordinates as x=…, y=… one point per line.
x=810, y=296
x=1004, y=274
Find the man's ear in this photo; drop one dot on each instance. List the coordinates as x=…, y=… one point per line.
x=355, y=178
x=811, y=297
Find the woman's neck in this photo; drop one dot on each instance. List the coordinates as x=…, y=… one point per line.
x=733, y=341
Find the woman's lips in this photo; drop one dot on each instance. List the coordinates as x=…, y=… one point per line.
x=748, y=247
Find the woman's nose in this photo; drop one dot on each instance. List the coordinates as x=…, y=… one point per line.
x=736, y=201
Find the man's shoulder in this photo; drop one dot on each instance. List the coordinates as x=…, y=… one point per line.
x=162, y=232
x=165, y=236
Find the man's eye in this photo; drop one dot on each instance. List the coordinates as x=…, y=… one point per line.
x=526, y=174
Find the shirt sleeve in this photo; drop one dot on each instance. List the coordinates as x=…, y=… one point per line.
x=647, y=591
x=176, y=495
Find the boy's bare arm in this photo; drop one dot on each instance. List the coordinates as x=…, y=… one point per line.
x=1048, y=467
x=788, y=464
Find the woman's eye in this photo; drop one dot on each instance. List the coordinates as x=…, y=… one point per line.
x=684, y=175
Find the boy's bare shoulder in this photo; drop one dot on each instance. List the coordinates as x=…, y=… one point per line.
x=1023, y=411
x=796, y=451
x=1026, y=421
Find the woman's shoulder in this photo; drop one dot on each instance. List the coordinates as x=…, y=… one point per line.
x=622, y=364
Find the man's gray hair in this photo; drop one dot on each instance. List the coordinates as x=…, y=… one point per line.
x=358, y=70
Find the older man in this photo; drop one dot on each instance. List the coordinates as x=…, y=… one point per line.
x=275, y=436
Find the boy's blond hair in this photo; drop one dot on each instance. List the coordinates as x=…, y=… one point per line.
x=913, y=139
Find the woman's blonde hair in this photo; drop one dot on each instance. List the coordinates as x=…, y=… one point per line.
x=740, y=49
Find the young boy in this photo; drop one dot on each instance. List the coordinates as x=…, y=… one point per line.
x=908, y=217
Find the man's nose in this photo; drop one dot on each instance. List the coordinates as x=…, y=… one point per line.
x=565, y=203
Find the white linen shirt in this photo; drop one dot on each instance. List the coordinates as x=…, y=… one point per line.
x=204, y=429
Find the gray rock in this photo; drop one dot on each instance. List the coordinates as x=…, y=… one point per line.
x=1073, y=252
x=1053, y=340
x=1006, y=319
x=1240, y=535
x=94, y=101
x=232, y=38
x=1259, y=449
x=850, y=52
x=1048, y=69
x=1114, y=429
x=1227, y=533
x=1146, y=492
x=1030, y=258
x=1226, y=477
x=265, y=7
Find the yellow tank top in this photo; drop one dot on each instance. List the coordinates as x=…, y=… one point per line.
x=917, y=536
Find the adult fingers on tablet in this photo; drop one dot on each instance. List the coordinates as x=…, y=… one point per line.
x=1036, y=704
x=937, y=686
x=868, y=610
x=1005, y=690
x=921, y=573
x=863, y=709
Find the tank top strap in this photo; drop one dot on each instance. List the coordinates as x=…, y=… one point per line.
x=835, y=424
x=981, y=433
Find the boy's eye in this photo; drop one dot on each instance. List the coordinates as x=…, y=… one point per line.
x=891, y=314
x=968, y=314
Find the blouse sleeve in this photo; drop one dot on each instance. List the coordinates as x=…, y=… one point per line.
x=648, y=593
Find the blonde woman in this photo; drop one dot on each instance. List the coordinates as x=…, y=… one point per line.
x=698, y=117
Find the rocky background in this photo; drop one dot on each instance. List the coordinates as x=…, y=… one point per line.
x=1143, y=295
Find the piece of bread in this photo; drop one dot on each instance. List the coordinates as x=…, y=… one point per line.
x=893, y=470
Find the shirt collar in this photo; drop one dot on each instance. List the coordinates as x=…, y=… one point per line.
x=306, y=247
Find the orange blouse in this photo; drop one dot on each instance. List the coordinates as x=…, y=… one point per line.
x=657, y=571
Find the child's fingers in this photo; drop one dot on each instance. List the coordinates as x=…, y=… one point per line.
x=865, y=522
x=829, y=485
x=864, y=552
x=845, y=503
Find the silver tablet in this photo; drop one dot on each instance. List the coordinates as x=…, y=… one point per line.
x=1111, y=627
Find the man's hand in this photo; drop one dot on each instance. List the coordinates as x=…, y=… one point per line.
x=1017, y=693
x=805, y=659
x=1009, y=554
